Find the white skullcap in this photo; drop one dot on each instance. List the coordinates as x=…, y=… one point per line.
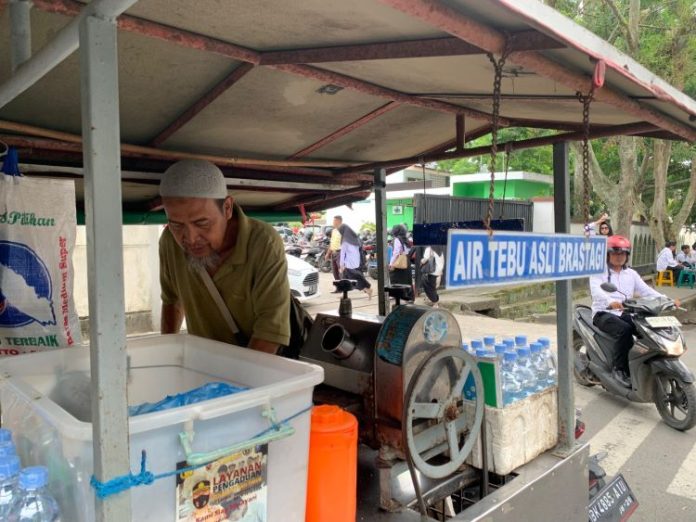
x=193, y=179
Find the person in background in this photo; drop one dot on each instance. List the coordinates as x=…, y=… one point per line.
x=350, y=259
x=400, y=245
x=334, y=250
x=684, y=257
x=692, y=255
x=666, y=261
x=601, y=227
x=434, y=261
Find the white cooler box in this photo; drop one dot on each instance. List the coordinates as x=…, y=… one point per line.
x=46, y=434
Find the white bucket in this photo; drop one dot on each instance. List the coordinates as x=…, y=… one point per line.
x=46, y=434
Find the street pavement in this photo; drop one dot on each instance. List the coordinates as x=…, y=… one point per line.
x=658, y=462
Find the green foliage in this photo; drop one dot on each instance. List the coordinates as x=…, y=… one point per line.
x=368, y=226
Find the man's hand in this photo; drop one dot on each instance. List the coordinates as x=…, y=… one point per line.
x=171, y=318
x=677, y=303
x=616, y=305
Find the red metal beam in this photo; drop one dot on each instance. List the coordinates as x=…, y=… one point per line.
x=236, y=52
x=624, y=130
x=345, y=130
x=237, y=74
x=455, y=23
x=521, y=41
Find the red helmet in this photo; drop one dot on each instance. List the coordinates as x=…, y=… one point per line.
x=618, y=244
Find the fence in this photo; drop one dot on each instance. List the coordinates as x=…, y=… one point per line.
x=429, y=208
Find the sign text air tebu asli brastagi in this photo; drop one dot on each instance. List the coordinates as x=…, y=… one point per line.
x=475, y=259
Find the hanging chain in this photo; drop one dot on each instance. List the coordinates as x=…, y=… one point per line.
x=508, y=152
x=495, y=117
x=586, y=100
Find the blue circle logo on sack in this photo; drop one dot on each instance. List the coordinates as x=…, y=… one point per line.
x=25, y=287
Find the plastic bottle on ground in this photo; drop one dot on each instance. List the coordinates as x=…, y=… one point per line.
x=34, y=503
x=512, y=388
x=9, y=473
x=550, y=361
x=539, y=366
x=526, y=372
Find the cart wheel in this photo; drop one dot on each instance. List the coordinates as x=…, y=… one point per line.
x=435, y=427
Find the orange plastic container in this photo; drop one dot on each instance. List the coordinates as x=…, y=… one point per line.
x=333, y=466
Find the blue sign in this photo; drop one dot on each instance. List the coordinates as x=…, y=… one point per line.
x=475, y=259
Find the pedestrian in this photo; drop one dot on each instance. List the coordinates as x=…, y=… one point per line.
x=601, y=227
x=400, y=264
x=432, y=264
x=334, y=250
x=350, y=259
x=666, y=261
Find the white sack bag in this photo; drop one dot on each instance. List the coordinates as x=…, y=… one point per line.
x=37, y=237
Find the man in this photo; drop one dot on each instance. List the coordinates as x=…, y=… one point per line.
x=334, y=251
x=666, y=261
x=607, y=308
x=684, y=257
x=245, y=258
x=205, y=511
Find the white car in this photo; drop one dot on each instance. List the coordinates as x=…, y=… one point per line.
x=303, y=279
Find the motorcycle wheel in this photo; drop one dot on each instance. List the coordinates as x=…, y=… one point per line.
x=675, y=401
x=583, y=374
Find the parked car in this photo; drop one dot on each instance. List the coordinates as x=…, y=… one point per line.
x=303, y=279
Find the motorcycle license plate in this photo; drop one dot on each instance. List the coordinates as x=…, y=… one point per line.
x=614, y=503
x=664, y=321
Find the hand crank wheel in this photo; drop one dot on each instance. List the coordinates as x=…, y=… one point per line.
x=434, y=420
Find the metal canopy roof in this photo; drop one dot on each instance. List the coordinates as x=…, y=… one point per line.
x=313, y=94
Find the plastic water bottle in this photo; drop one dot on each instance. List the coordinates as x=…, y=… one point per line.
x=500, y=350
x=550, y=361
x=489, y=342
x=520, y=341
x=509, y=344
x=34, y=503
x=512, y=388
x=7, y=449
x=526, y=373
x=5, y=435
x=476, y=344
x=465, y=347
x=9, y=473
x=539, y=365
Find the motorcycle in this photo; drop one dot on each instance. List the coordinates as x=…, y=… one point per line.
x=607, y=501
x=657, y=374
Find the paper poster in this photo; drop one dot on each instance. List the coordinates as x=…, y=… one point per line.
x=230, y=489
x=37, y=236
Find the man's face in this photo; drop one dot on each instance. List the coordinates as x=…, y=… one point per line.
x=201, y=496
x=672, y=247
x=617, y=259
x=337, y=222
x=198, y=224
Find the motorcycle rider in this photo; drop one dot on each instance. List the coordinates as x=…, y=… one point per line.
x=607, y=308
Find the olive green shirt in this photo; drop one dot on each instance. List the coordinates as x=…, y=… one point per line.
x=253, y=282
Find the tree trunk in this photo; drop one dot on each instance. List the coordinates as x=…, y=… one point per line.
x=659, y=224
x=628, y=157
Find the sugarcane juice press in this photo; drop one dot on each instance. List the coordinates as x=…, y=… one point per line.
x=402, y=376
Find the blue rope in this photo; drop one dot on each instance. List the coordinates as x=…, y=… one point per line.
x=145, y=478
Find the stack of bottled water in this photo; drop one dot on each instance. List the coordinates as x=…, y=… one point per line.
x=23, y=493
x=526, y=369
